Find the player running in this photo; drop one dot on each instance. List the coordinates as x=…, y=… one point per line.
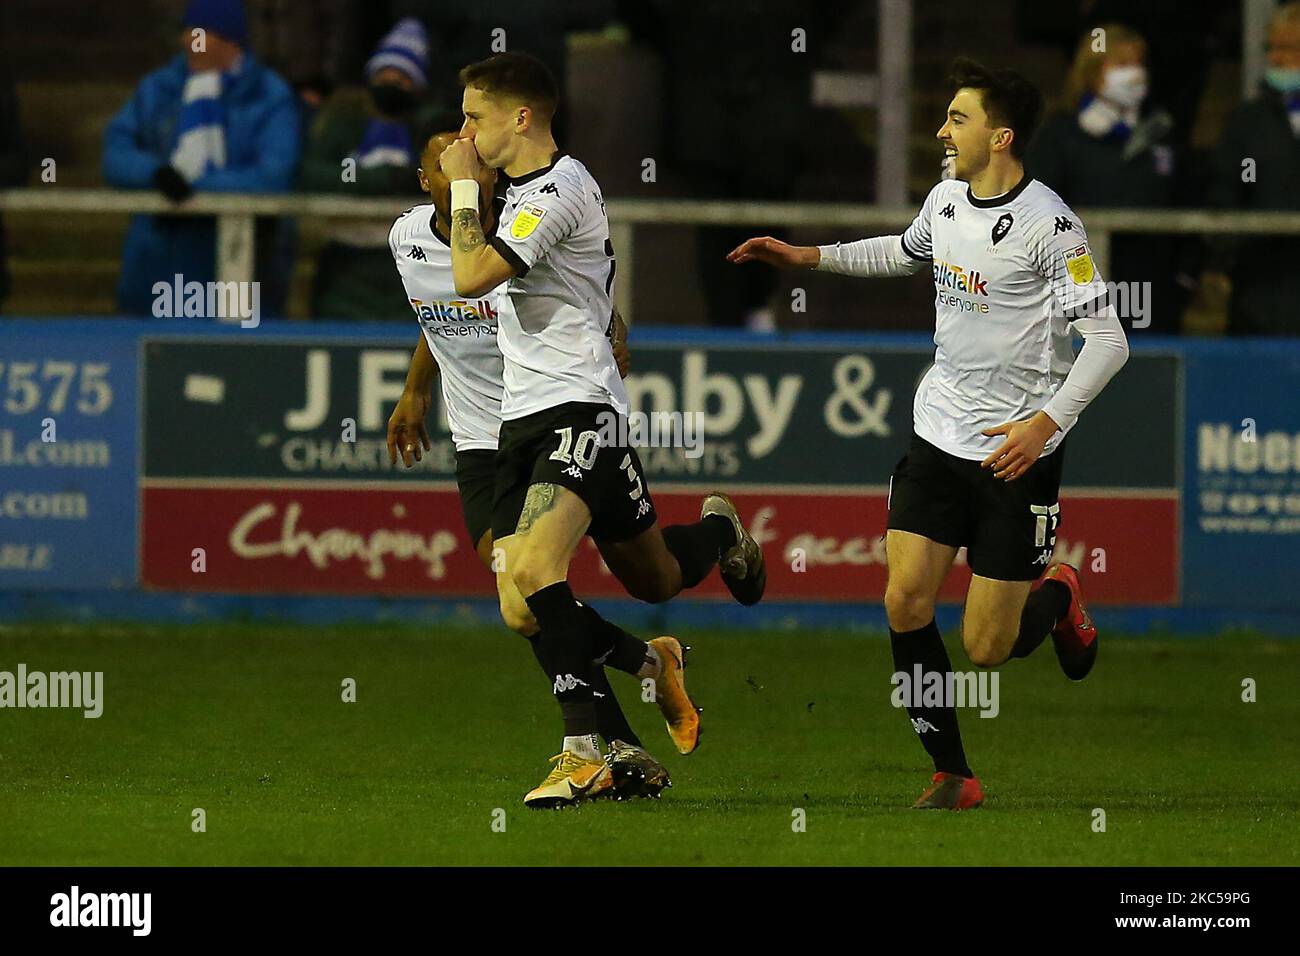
x=1012, y=273
x=459, y=344
x=562, y=394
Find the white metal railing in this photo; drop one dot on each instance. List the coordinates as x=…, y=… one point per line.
x=235, y=214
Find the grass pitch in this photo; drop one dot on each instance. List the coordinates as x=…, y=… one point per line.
x=247, y=723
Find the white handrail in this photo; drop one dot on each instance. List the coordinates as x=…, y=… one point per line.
x=235, y=213
x=636, y=211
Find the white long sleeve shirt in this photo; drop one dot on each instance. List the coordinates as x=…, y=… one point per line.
x=1012, y=275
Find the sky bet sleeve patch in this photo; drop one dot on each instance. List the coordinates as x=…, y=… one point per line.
x=526, y=221
x=1078, y=262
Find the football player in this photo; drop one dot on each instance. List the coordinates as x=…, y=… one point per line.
x=562, y=393
x=1013, y=277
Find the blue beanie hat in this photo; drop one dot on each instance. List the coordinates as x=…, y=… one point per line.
x=406, y=48
x=223, y=17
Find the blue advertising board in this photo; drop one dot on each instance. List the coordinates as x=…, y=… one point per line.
x=69, y=420
x=1241, y=500
x=1204, y=436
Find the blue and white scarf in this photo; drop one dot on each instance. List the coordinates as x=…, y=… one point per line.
x=385, y=143
x=201, y=127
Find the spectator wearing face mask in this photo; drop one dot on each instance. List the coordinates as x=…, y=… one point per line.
x=1258, y=274
x=214, y=119
x=366, y=145
x=1103, y=149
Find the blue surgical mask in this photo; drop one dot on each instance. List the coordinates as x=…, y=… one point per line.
x=1284, y=81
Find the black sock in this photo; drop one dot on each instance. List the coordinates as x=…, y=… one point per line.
x=610, y=719
x=611, y=722
x=936, y=726
x=697, y=547
x=615, y=647
x=564, y=648
x=1043, y=609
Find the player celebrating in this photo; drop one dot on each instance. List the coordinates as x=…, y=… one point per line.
x=459, y=339
x=1012, y=273
x=562, y=390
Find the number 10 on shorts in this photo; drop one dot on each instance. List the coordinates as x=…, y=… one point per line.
x=581, y=452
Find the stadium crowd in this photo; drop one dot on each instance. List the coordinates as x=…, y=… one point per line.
x=331, y=96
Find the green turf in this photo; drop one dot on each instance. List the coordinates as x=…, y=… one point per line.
x=247, y=723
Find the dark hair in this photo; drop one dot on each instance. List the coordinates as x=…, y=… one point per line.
x=1007, y=97
x=519, y=76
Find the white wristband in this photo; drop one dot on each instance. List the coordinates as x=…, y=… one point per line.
x=464, y=194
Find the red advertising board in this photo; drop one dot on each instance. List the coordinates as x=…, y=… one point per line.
x=822, y=544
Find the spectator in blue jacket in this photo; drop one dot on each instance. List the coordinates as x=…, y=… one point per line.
x=214, y=119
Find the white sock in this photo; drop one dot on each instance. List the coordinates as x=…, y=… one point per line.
x=585, y=746
x=653, y=666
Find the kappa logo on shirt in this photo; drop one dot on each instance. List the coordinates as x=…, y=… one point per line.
x=417, y=254
x=1062, y=225
x=948, y=212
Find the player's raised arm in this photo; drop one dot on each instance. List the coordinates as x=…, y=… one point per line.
x=875, y=257
x=476, y=267
x=775, y=253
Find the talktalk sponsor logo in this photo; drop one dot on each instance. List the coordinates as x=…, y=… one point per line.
x=456, y=310
x=947, y=275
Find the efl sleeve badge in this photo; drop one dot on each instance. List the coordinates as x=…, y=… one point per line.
x=1078, y=262
x=526, y=220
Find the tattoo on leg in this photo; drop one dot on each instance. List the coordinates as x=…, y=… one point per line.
x=466, y=230
x=541, y=499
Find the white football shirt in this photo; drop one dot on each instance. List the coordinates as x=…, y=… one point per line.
x=553, y=231
x=1008, y=274
x=462, y=335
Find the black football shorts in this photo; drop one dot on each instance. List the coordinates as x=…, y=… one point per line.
x=1007, y=527
x=476, y=478
x=563, y=446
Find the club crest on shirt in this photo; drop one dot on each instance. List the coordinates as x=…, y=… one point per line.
x=1002, y=227
x=526, y=221
x=1078, y=262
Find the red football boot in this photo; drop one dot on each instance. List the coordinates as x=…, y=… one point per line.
x=1075, y=635
x=948, y=791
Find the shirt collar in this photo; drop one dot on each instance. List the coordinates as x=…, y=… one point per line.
x=1002, y=200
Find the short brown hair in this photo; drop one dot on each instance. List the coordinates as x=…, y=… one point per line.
x=1007, y=97
x=519, y=76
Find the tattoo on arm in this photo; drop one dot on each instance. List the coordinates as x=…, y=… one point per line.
x=540, y=499
x=466, y=230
